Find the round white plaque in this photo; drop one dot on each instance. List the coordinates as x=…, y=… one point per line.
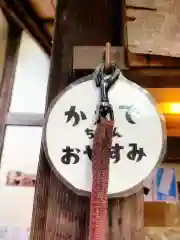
x=139, y=137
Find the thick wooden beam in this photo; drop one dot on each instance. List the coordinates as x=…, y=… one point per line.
x=12, y=47
x=153, y=61
x=154, y=78
x=52, y=198
x=86, y=58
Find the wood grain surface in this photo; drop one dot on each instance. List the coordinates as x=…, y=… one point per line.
x=153, y=27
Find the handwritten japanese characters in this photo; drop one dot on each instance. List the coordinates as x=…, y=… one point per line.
x=73, y=114
x=90, y=133
x=129, y=111
x=135, y=151
x=72, y=155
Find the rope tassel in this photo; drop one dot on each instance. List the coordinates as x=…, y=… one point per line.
x=100, y=176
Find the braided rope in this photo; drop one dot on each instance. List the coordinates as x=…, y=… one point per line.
x=100, y=173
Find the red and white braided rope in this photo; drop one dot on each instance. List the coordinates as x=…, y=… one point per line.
x=100, y=172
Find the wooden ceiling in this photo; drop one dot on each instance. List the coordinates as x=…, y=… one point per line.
x=45, y=9
x=28, y=15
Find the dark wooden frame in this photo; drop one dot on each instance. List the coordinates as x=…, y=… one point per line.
x=12, y=47
x=25, y=119
x=39, y=218
x=6, y=85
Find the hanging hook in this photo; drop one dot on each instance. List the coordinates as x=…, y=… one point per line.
x=107, y=62
x=105, y=76
x=105, y=82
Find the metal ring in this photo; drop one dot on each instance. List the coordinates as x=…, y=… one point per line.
x=100, y=74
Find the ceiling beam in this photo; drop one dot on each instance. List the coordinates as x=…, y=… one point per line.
x=25, y=16
x=86, y=58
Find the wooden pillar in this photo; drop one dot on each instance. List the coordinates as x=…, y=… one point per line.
x=127, y=218
x=6, y=84
x=59, y=77
x=58, y=213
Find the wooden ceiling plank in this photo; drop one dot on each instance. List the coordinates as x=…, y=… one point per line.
x=44, y=8
x=17, y=10
x=153, y=27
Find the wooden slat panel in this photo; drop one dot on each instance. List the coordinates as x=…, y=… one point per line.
x=153, y=27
